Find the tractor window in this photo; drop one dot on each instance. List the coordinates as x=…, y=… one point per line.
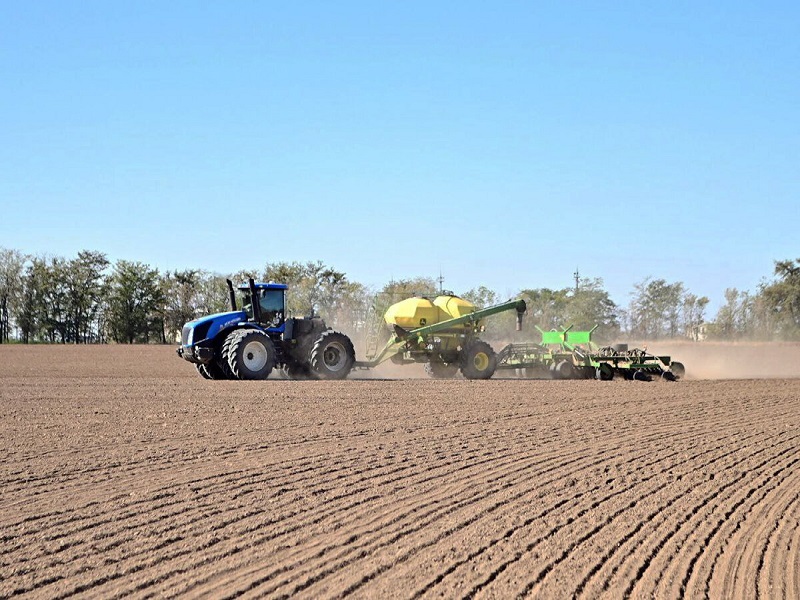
x=271, y=302
x=272, y=306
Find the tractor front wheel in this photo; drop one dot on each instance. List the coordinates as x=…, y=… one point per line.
x=251, y=354
x=332, y=356
x=211, y=371
x=223, y=361
x=478, y=361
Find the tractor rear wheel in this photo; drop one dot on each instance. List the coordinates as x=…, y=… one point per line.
x=440, y=370
x=332, y=356
x=478, y=360
x=251, y=354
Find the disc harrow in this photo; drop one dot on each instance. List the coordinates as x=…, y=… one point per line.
x=569, y=354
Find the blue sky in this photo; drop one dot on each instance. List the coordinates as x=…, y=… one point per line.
x=504, y=143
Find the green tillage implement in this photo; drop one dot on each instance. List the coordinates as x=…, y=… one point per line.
x=571, y=354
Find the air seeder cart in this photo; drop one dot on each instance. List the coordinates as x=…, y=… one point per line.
x=442, y=334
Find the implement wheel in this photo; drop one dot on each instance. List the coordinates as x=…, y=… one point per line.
x=677, y=369
x=332, y=356
x=441, y=370
x=251, y=354
x=565, y=370
x=478, y=361
x=605, y=372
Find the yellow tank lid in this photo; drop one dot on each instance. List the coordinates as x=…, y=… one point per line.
x=453, y=306
x=413, y=313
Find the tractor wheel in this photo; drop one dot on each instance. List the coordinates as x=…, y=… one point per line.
x=677, y=369
x=223, y=360
x=640, y=375
x=251, y=354
x=441, y=370
x=211, y=371
x=478, y=361
x=332, y=356
x=604, y=372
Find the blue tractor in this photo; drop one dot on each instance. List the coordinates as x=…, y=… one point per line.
x=251, y=342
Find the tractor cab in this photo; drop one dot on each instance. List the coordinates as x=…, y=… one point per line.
x=270, y=309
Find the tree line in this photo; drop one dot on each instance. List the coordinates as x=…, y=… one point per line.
x=87, y=299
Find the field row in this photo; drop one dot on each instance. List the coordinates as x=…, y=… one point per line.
x=135, y=487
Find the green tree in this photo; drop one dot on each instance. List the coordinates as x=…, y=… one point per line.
x=12, y=263
x=782, y=299
x=83, y=286
x=481, y=296
x=53, y=298
x=547, y=308
x=725, y=323
x=591, y=305
x=656, y=308
x=180, y=291
x=318, y=288
x=29, y=314
x=135, y=303
x=694, y=309
x=400, y=289
x=582, y=308
x=212, y=293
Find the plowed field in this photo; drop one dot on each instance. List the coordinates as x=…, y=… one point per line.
x=126, y=474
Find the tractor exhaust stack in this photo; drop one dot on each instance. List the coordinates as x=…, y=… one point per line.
x=231, y=295
x=254, y=300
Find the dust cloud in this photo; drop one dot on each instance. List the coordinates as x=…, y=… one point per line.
x=726, y=360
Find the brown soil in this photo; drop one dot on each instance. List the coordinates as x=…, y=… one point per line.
x=125, y=473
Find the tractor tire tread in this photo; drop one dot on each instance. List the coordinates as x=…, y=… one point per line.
x=467, y=360
x=235, y=358
x=318, y=368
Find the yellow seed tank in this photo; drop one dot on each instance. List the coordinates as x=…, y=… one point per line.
x=416, y=312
